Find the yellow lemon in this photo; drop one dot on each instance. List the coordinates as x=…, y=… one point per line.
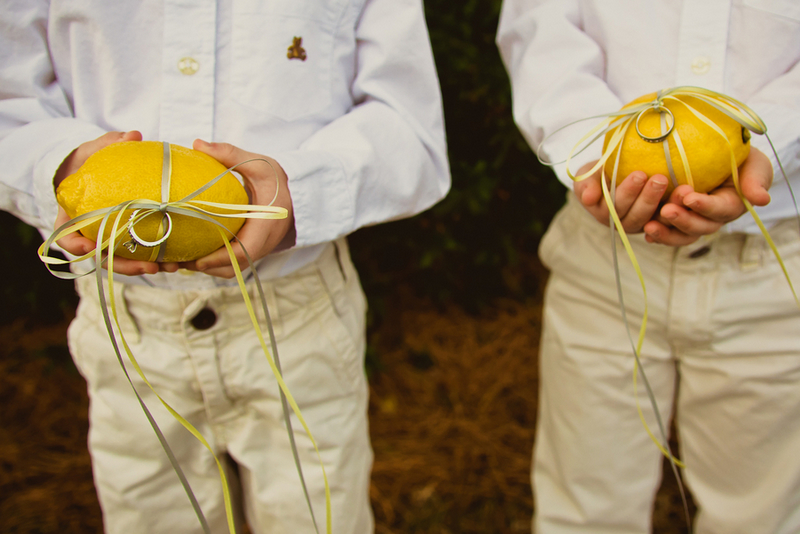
x=132, y=170
x=707, y=152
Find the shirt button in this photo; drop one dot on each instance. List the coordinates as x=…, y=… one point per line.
x=188, y=66
x=205, y=319
x=701, y=65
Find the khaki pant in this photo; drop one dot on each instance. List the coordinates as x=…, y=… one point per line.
x=722, y=351
x=199, y=351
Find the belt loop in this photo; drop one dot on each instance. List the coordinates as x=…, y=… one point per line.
x=330, y=268
x=752, y=253
x=87, y=289
x=272, y=304
x=126, y=321
x=342, y=252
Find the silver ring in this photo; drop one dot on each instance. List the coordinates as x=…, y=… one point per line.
x=660, y=109
x=141, y=241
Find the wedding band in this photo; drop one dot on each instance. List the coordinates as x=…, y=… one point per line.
x=141, y=241
x=660, y=109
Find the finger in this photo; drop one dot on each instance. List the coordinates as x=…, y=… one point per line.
x=627, y=192
x=646, y=203
x=589, y=191
x=132, y=135
x=219, y=258
x=76, y=244
x=756, y=194
x=218, y=263
x=73, y=243
x=255, y=237
x=590, y=195
x=107, y=139
x=679, y=193
x=724, y=203
x=655, y=232
x=755, y=177
x=221, y=272
x=226, y=153
x=688, y=221
x=721, y=205
x=133, y=267
x=675, y=198
x=168, y=267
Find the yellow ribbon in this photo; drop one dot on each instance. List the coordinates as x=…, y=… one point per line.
x=192, y=208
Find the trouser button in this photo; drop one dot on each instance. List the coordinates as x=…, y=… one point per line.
x=205, y=319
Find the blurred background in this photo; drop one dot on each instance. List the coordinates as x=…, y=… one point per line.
x=455, y=303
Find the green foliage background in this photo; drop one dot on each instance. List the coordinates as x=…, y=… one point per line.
x=469, y=249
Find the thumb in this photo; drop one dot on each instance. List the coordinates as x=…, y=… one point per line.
x=588, y=191
x=110, y=138
x=755, y=178
x=756, y=192
x=226, y=153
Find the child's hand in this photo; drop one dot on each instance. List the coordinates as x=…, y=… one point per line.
x=637, y=198
x=75, y=243
x=688, y=215
x=259, y=236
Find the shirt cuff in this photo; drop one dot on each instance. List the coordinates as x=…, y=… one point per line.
x=322, y=199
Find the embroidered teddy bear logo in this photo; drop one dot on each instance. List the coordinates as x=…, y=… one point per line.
x=296, y=51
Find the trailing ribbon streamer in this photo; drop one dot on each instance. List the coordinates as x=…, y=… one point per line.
x=616, y=125
x=197, y=209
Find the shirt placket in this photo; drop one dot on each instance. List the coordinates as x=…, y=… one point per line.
x=702, y=43
x=188, y=66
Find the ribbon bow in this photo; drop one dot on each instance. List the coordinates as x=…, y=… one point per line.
x=620, y=121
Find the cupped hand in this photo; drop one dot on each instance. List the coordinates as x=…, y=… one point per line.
x=688, y=215
x=258, y=236
x=75, y=243
x=636, y=199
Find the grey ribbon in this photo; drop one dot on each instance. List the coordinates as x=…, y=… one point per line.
x=665, y=143
x=166, y=220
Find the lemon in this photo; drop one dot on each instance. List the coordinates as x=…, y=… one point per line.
x=131, y=170
x=707, y=151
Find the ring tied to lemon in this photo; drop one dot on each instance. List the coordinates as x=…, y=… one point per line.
x=686, y=137
x=138, y=170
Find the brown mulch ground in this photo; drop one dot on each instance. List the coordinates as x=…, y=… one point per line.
x=452, y=413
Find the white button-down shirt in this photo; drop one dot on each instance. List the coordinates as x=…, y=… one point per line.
x=356, y=122
x=572, y=59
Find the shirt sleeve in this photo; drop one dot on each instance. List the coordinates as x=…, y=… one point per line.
x=37, y=129
x=778, y=105
x=387, y=157
x=556, y=73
